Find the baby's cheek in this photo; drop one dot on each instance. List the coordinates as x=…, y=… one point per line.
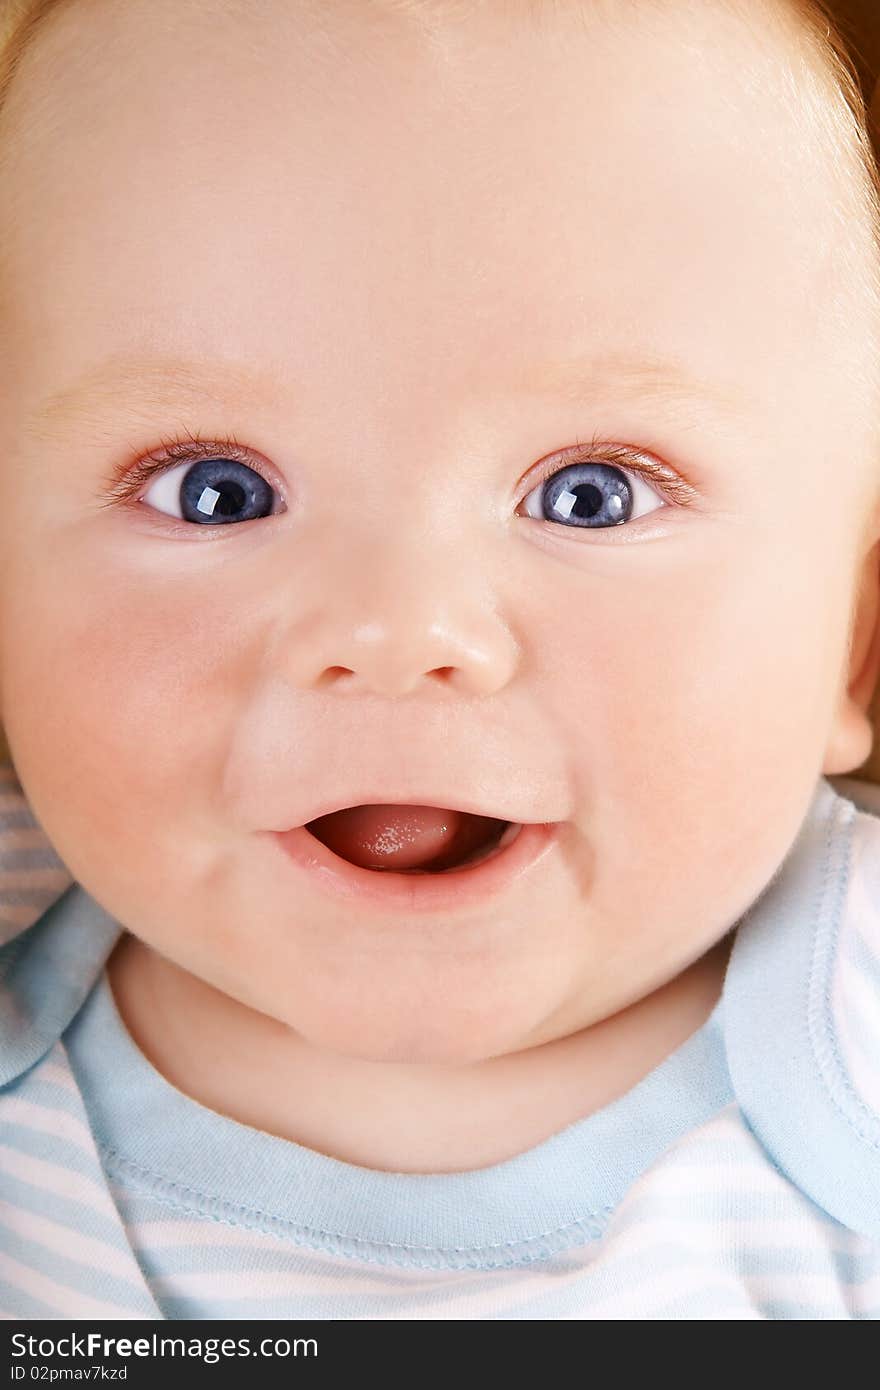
x=118, y=705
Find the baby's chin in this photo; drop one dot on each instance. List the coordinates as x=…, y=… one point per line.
x=410, y=1043
x=460, y=1020
x=404, y=1027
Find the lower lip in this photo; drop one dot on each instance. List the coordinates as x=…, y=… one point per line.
x=469, y=886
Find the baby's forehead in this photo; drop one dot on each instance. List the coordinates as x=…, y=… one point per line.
x=594, y=70
x=650, y=175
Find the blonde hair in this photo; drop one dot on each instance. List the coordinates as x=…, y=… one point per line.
x=845, y=108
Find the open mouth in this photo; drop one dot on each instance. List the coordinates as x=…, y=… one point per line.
x=412, y=839
x=409, y=862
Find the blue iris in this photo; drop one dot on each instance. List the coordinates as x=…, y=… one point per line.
x=216, y=491
x=587, y=494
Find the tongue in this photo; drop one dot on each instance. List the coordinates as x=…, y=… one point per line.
x=403, y=837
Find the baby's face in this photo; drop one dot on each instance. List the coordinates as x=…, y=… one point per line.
x=409, y=269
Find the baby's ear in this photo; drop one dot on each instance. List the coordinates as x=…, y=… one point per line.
x=871, y=770
x=853, y=740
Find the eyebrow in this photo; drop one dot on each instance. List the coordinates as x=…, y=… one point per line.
x=660, y=379
x=151, y=382
x=154, y=382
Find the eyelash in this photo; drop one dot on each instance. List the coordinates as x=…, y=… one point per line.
x=668, y=483
x=125, y=482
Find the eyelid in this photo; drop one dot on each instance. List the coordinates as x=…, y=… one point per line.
x=669, y=483
x=127, y=479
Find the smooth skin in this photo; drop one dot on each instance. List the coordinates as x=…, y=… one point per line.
x=439, y=245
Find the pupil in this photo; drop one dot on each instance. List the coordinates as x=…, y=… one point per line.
x=231, y=499
x=589, y=499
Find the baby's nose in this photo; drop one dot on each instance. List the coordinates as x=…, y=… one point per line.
x=391, y=623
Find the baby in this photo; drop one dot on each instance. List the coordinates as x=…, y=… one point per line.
x=439, y=573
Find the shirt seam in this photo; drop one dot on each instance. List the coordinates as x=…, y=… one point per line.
x=824, y=1043
x=174, y=1194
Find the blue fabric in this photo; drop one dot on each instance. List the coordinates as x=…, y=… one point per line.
x=540, y=1198
x=780, y=1032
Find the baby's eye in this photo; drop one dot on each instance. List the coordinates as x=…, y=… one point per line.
x=211, y=491
x=591, y=495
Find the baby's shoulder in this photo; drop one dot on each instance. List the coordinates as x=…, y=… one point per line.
x=32, y=876
x=54, y=939
x=802, y=1007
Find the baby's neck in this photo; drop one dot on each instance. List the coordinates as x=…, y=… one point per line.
x=400, y=1118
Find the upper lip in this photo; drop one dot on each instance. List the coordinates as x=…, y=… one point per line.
x=502, y=807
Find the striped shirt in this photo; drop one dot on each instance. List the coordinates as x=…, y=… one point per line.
x=740, y=1178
